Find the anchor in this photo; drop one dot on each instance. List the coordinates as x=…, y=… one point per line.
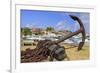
x=53, y=49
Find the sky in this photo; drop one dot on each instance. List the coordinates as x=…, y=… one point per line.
x=57, y=20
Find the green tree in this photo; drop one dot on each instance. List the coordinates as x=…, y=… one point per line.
x=49, y=29
x=26, y=31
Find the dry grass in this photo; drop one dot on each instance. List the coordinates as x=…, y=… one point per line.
x=83, y=54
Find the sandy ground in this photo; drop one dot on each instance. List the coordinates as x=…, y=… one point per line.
x=72, y=53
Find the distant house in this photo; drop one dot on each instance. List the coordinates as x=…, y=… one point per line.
x=35, y=30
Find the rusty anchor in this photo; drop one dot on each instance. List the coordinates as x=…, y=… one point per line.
x=52, y=49
x=81, y=30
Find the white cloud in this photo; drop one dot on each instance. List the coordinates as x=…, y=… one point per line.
x=76, y=26
x=64, y=25
x=28, y=25
x=60, y=25
x=85, y=19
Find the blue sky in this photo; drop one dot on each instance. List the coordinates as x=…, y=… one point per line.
x=57, y=20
